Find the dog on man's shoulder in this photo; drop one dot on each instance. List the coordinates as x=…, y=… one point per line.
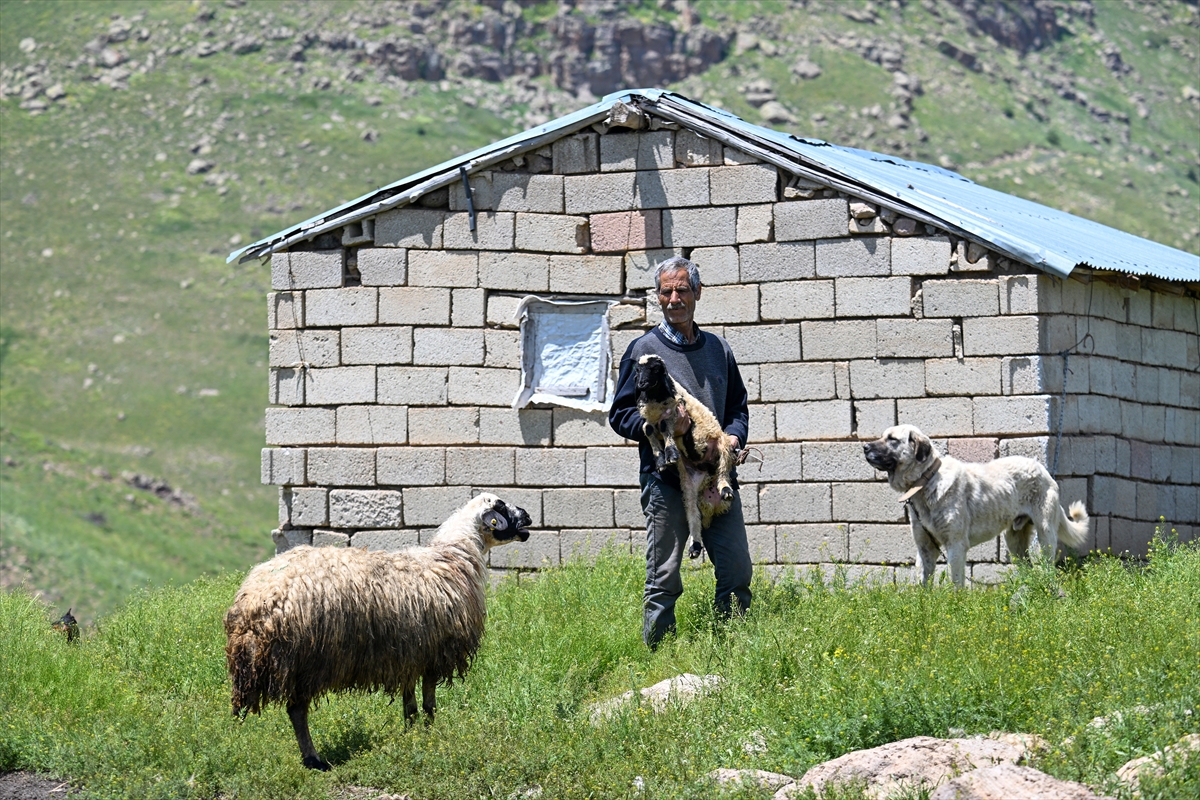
x=955, y=505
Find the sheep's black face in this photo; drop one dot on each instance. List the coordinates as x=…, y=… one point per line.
x=507, y=522
x=652, y=381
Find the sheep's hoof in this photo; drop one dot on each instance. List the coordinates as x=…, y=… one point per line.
x=316, y=762
x=726, y=492
x=695, y=550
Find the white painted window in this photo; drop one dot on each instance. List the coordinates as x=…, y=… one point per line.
x=565, y=354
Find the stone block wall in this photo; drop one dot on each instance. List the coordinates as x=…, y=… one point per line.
x=394, y=360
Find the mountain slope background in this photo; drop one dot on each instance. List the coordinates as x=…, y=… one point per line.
x=141, y=142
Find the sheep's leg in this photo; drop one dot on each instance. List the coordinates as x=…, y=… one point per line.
x=298, y=712
x=689, y=483
x=410, y=702
x=670, y=454
x=725, y=469
x=428, y=697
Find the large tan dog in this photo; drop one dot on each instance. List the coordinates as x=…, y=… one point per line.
x=954, y=506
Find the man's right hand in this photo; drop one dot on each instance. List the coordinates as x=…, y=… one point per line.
x=683, y=421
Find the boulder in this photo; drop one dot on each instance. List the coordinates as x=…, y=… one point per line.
x=1010, y=782
x=1186, y=748
x=682, y=688
x=750, y=777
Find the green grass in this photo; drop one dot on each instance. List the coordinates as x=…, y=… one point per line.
x=140, y=707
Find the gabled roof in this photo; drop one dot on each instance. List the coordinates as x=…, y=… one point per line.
x=1042, y=237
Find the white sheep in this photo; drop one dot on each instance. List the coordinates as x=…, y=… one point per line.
x=316, y=620
x=705, y=455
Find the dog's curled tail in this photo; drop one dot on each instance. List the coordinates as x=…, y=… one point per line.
x=1073, y=525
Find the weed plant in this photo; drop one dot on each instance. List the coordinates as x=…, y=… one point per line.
x=140, y=707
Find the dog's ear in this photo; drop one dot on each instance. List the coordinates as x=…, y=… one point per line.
x=924, y=448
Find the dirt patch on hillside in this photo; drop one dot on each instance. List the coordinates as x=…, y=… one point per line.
x=28, y=786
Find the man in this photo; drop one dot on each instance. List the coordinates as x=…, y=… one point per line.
x=704, y=365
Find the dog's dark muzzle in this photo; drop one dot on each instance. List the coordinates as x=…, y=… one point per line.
x=878, y=457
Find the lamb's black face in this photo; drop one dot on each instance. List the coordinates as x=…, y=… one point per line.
x=652, y=381
x=507, y=522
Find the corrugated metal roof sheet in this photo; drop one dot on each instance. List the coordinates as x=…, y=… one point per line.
x=1043, y=237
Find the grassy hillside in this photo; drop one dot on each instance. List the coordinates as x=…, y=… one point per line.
x=140, y=708
x=142, y=142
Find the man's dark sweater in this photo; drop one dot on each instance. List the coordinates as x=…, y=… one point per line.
x=706, y=369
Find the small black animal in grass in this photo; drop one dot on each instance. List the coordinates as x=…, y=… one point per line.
x=68, y=626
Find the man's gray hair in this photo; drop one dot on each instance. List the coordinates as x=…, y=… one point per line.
x=674, y=264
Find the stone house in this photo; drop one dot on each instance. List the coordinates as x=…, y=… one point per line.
x=857, y=291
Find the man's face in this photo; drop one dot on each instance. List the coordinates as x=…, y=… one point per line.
x=677, y=299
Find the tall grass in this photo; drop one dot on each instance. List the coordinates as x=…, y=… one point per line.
x=140, y=708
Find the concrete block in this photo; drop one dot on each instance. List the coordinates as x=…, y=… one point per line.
x=587, y=544
x=804, y=381
x=502, y=349
x=450, y=425
x=811, y=219
x=541, y=194
x=1023, y=375
x=290, y=348
x=622, y=339
x=836, y=461
x=410, y=227
x=372, y=424
x=286, y=387
x=317, y=269
x=332, y=539
x=887, y=378
x=873, y=297
x=1000, y=336
x=365, y=508
x=694, y=150
x=841, y=379
x=333, y=308
x=810, y=299
x=433, y=505
x=594, y=194
x=794, y=502
x=410, y=466
x=676, y=188
x=1174, y=349
x=287, y=539
x=866, y=256
x=761, y=539
x=576, y=153
x=1098, y=414
x=480, y=466
x=493, y=231
x=815, y=419
x=1019, y=294
x=765, y=343
x=938, y=416
x=962, y=376
x=913, y=338
x=1058, y=333
x=467, y=308
x=575, y=428
x=718, y=265
x=622, y=231
x=699, y=227
x=734, y=186
x=1169, y=386
x=341, y=466
x=483, y=386
x=960, y=298
x=611, y=466
x=755, y=223
x=285, y=310
x=527, y=426
x=482, y=195
x=866, y=502
x=640, y=267
x=978, y=451
x=382, y=266
x=560, y=466
x=1130, y=538
x=540, y=551
x=1020, y=415
x=824, y=341
x=416, y=386
x=921, y=255
x=881, y=544
x=293, y=426
x=586, y=274
x=443, y=268
x=873, y=417
x=777, y=261
x=656, y=150
x=627, y=510
x=448, y=346
x=391, y=345
x=386, y=541
x=552, y=233
x=733, y=157
x=285, y=466
x=339, y=385
x=748, y=495
x=762, y=423
x=518, y=272
x=577, y=508
x=810, y=543
x=780, y=463
x=403, y=305
x=727, y=304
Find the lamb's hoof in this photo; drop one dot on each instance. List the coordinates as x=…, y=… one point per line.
x=316, y=762
x=695, y=550
x=727, y=493
x=666, y=461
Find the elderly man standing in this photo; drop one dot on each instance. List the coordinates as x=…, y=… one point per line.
x=704, y=365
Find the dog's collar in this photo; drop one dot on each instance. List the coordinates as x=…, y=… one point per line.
x=922, y=481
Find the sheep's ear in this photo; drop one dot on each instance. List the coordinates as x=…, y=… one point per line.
x=494, y=520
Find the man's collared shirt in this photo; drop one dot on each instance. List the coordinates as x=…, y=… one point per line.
x=672, y=334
